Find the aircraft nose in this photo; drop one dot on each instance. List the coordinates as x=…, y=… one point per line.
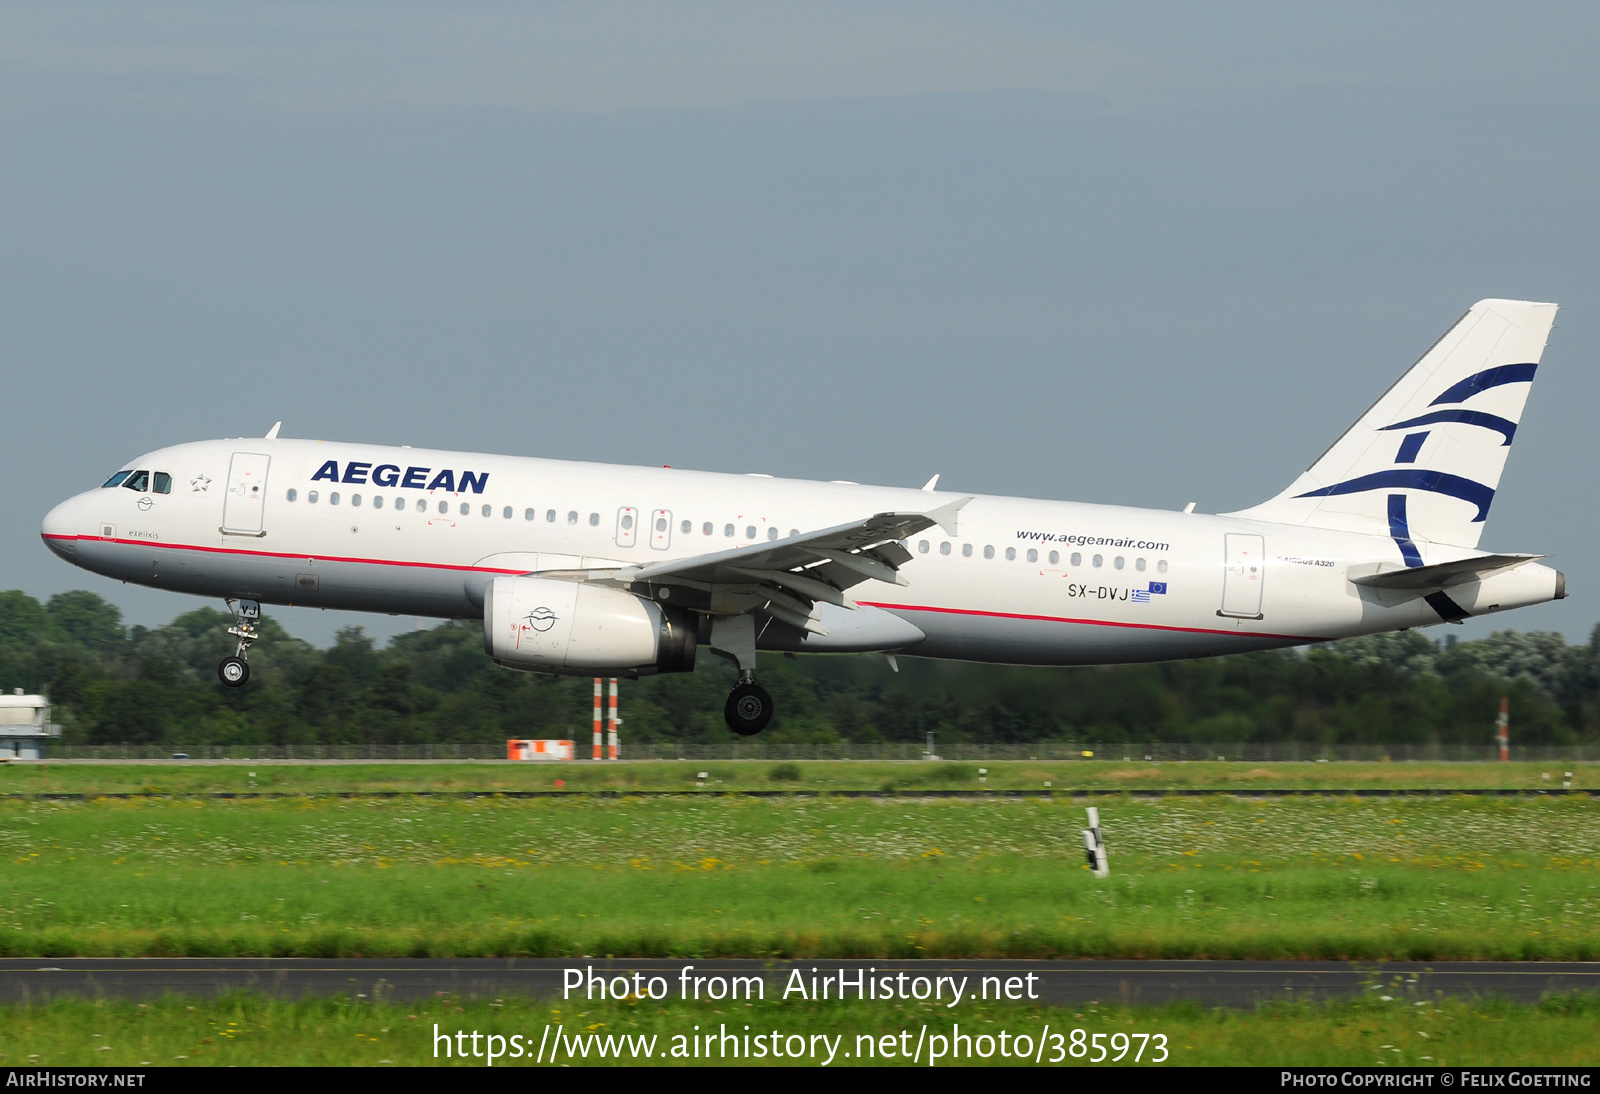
x=60, y=530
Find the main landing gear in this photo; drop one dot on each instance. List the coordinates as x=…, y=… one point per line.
x=749, y=706
x=235, y=671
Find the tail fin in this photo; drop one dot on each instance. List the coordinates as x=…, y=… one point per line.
x=1425, y=461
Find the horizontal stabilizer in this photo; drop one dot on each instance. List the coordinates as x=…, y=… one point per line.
x=1443, y=574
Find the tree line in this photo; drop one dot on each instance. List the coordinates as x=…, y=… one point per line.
x=113, y=684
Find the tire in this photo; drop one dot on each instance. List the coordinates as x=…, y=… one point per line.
x=748, y=710
x=234, y=671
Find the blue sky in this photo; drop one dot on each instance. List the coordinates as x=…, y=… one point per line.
x=1136, y=253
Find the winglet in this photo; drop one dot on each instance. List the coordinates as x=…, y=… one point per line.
x=945, y=516
x=931, y=484
x=272, y=434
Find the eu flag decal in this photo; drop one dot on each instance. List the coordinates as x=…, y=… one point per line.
x=1142, y=596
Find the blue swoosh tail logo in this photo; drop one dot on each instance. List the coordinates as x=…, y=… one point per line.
x=1471, y=417
x=1433, y=482
x=1400, y=530
x=1463, y=390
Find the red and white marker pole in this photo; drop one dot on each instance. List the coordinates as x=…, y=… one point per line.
x=612, y=750
x=1502, y=731
x=597, y=697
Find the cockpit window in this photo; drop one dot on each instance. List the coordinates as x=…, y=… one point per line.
x=116, y=480
x=139, y=480
x=163, y=484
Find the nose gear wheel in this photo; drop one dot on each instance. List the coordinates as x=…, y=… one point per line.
x=235, y=671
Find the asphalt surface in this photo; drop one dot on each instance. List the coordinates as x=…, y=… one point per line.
x=1213, y=983
x=1064, y=792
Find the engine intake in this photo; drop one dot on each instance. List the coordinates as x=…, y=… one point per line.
x=576, y=629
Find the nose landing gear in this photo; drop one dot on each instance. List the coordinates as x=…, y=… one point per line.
x=235, y=671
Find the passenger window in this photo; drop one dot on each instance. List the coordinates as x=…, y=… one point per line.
x=627, y=522
x=377, y=501
x=488, y=511
x=686, y=527
x=399, y=505
x=705, y=529
x=750, y=531
x=772, y=533
x=444, y=507
x=116, y=480
x=966, y=550
x=355, y=500
x=794, y=532
x=1055, y=557
x=1117, y=562
x=333, y=498
x=572, y=516
x=922, y=547
x=727, y=530
x=550, y=516
x=293, y=494
x=465, y=508
x=1098, y=561
x=1138, y=564
x=988, y=551
x=311, y=497
x=1033, y=555
x=140, y=481
x=505, y=513
x=944, y=548
x=594, y=520
x=528, y=514
x=1076, y=559
x=661, y=524
x=1011, y=554
x=163, y=483
x=1161, y=567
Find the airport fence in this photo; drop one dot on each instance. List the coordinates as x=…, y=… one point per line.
x=758, y=749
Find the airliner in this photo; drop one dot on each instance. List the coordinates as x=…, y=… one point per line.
x=592, y=569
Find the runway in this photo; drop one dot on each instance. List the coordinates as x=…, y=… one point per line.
x=1212, y=983
x=1066, y=793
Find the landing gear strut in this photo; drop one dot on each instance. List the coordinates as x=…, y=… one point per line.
x=235, y=670
x=749, y=707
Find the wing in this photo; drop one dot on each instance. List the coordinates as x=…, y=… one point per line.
x=787, y=577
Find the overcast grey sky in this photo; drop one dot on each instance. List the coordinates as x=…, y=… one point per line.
x=1140, y=253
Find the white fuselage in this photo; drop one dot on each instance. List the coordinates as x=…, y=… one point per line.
x=1024, y=581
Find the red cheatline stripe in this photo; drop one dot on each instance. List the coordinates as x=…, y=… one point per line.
x=284, y=554
x=1088, y=622
x=868, y=603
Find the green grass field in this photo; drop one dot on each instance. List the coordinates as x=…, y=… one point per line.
x=249, y=1030
x=1420, y=878
x=279, y=777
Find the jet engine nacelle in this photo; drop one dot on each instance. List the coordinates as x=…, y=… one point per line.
x=571, y=628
